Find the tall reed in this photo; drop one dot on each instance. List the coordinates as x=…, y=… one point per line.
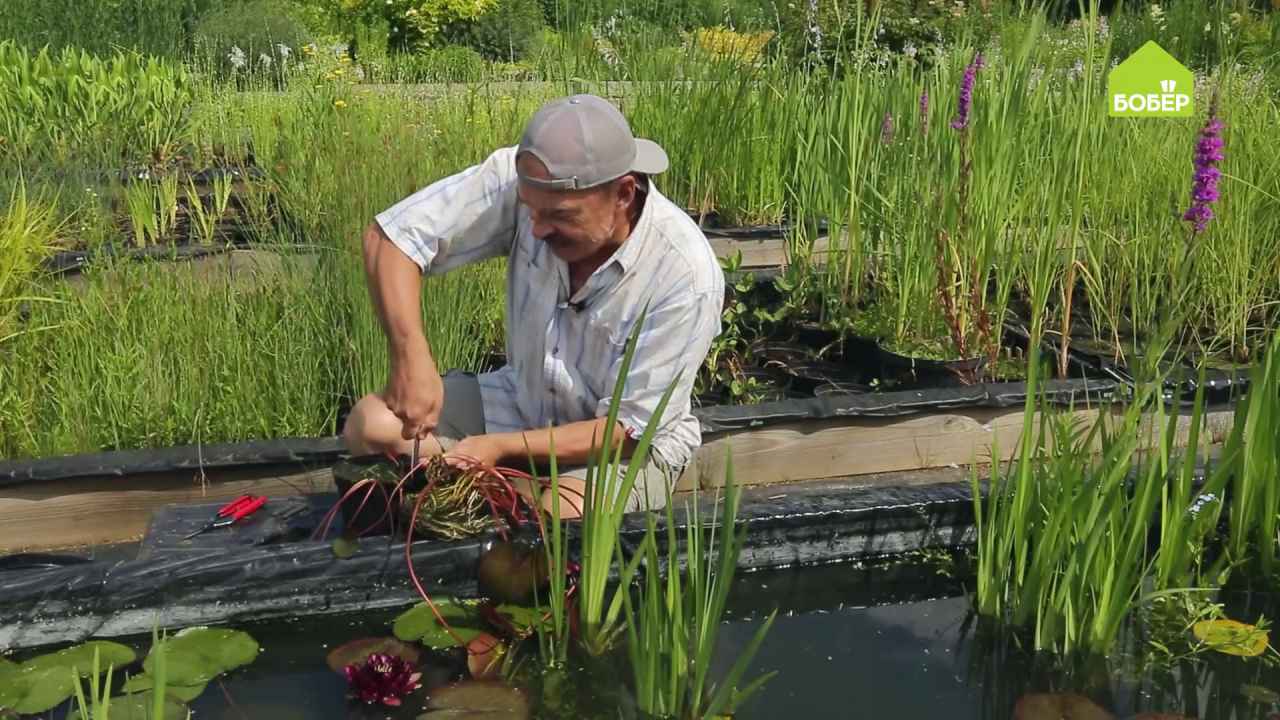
x=673, y=624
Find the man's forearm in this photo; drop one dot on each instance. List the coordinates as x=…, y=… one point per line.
x=395, y=286
x=575, y=444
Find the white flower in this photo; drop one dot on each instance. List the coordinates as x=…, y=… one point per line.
x=909, y=50
x=265, y=59
x=1208, y=26
x=283, y=50
x=237, y=57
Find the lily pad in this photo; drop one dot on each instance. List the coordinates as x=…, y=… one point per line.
x=81, y=657
x=477, y=700
x=484, y=656
x=525, y=618
x=44, y=682
x=1260, y=695
x=357, y=651
x=197, y=655
x=1231, y=637
x=419, y=624
x=138, y=707
x=143, y=682
x=1058, y=706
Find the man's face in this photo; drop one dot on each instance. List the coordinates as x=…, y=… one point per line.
x=575, y=224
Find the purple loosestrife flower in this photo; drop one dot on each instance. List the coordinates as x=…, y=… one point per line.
x=924, y=111
x=1204, y=181
x=886, y=128
x=382, y=678
x=965, y=103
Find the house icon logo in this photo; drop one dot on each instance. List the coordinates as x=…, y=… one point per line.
x=1150, y=83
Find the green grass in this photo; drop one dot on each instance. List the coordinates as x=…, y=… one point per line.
x=935, y=233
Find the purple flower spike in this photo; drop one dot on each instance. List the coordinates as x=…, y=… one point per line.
x=382, y=679
x=924, y=111
x=886, y=128
x=1204, y=181
x=965, y=103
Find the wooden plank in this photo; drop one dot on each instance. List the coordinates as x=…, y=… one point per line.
x=103, y=510
x=763, y=252
x=90, y=511
x=796, y=452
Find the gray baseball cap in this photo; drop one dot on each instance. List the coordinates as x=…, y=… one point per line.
x=585, y=141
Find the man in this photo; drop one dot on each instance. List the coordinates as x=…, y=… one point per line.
x=590, y=243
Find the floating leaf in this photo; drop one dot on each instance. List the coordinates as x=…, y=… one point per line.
x=138, y=707
x=484, y=655
x=44, y=682
x=185, y=693
x=1231, y=637
x=1260, y=695
x=1058, y=706
x=419, y=624
x=344, y=547
x=197, y=655
x=477, y=700
x=525, y=618
x=81, y=657
x=357, y=651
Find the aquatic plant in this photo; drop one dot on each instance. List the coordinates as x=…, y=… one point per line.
x=382, y=678
x=672, y=627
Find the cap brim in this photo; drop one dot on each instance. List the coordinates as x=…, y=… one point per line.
x=651, y=159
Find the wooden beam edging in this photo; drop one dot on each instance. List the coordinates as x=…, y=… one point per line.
x=103, y=509
x=841, y=447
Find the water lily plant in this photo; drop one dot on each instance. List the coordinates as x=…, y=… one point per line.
x=382, y=678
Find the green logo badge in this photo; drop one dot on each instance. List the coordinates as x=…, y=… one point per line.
x=1151, y=83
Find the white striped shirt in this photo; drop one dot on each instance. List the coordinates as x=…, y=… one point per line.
x=564, y=353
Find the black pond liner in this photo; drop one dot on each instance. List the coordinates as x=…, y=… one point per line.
x=713, y=419
x=269, y=568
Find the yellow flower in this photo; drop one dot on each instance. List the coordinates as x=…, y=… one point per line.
x=338, y=71
x=339, y=104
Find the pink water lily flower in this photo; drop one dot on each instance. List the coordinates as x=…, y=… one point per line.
x=382, y=678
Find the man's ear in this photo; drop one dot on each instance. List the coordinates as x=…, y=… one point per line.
x=626, y=191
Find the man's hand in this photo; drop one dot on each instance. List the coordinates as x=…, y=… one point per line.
x=488, y=450
x=415, y=393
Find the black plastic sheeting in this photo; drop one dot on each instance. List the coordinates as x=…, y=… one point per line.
x=714, y=419
x=68, y=262
x=261, y=571
x=121, y=463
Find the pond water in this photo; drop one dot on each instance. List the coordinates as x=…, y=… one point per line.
x=849, y=642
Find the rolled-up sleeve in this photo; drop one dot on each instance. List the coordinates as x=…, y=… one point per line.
x=675, y=339
x=463, y=218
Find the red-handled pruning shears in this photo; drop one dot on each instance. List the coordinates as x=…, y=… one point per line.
x=234, y=511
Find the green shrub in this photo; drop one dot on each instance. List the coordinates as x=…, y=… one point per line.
x=509, y=31
x=833, y=33
x=452, y=63
x=246, y=39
